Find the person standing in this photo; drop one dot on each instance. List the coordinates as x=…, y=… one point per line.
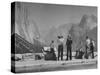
x=87, y=47
x=69, y=47
x=92, y=48
x=60, y=47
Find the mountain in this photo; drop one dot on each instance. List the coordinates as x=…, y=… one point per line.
x=88, y=21
x=25, y=26
x=25, y=31
x=86, y=27
x=20, y=45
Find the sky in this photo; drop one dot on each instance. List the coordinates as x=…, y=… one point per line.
x=47, y=16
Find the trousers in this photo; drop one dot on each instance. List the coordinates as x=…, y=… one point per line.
x=60, y=52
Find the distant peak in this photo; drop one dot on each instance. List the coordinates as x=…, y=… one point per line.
x=87, y=20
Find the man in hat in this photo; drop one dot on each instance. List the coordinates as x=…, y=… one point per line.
x=69, y=47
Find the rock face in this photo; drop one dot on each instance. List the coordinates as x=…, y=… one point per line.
x=21, y=45
x=24, y=25
x=86, y=27
x=25, y=32
x=88, y=21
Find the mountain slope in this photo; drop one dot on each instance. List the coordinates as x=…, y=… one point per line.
x=23, y=46
x=86, y=27
x=25, y=26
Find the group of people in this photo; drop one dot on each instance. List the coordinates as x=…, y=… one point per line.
x=89, y=46
x=68, y=45
x=60, y=41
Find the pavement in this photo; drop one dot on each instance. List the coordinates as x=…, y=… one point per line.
x=41, y=65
